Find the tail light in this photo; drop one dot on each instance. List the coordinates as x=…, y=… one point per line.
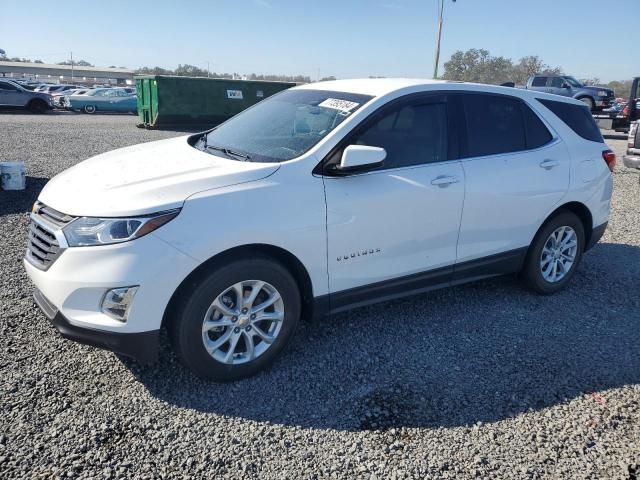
x=609, y=157
x=625, y=111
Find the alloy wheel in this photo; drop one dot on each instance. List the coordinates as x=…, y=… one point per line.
x=243, y=322
x=558, y=254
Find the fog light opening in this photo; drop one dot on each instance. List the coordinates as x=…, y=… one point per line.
x=117, y=302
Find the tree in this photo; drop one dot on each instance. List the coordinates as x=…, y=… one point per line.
x=79, y=63
x=477, y=65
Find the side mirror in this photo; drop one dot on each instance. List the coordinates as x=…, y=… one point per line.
x=360, y=158
x=566, y=85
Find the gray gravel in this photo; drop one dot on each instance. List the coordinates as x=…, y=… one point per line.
x=481, y=380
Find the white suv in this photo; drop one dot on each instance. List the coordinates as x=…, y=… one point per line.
x=324, y=197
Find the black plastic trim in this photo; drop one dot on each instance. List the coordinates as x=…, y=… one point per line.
x=596, y=235
x=142, y=346
x=491, y=266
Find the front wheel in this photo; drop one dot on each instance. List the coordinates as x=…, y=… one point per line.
x=555, y=253
x=37, y=106
x=236, y=320
x=89, y=109
x=588, y=102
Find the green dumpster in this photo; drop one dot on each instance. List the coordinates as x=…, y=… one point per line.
x=168, y=101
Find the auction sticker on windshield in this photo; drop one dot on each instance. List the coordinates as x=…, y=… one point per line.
x=337, y=104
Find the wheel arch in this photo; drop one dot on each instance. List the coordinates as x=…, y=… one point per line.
x=35, y=100
x=581, y=211
x=286, y=258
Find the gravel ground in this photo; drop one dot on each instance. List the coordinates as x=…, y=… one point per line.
x=483, y=380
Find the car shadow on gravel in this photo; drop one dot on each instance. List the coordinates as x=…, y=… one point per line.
x=21, y=201
x=482, y=352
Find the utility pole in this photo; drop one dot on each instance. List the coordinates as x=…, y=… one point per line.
x=208, y=74
x=72, y=67
x=440, y=14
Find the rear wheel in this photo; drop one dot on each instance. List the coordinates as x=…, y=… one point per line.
x=89, y=109
x=37, y=106
x=235, y=321
x=555, y=254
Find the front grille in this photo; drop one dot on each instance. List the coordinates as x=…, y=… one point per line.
x=43, y=247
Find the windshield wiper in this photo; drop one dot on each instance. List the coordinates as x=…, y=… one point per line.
x=228, y=152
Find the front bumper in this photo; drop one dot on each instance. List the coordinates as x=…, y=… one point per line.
x=143, y=346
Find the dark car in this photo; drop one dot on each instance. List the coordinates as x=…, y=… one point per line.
x=13, y=95
x=596, y=98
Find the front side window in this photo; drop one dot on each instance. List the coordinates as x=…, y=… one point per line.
x=412, y=134
x=7, y=86
x=283, y=126
x=556, y=82
x=494, y=124
x=573, y=82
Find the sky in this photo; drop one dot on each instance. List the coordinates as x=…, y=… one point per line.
x=344, y=38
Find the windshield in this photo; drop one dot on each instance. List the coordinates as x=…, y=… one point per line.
x=573, y=82
x=283, y=126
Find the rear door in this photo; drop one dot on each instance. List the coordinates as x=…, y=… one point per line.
x=400, y=220
x=516, y=170
x=539, y=84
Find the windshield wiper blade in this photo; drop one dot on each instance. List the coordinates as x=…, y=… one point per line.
x=228, y=152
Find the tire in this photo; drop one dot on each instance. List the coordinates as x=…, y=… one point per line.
x=37, y=106
x=538, y=269
x=89, y=109
x=195, y=309
x=588, y=102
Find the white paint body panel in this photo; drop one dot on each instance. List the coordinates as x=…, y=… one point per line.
x=392, y=223
x=498, y=204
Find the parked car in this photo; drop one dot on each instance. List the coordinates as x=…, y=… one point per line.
x=596, y=98
x=320, y=198
x=13, y=95
x=632, y=158
x=103, y=100
x=621, y=120
x=59, y=98
x=55, y=88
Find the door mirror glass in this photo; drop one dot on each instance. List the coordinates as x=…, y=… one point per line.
x=566, y=85
x=359, y=158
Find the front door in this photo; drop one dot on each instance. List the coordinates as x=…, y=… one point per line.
x=400, y=221
x=555, y=86
x=9, y=95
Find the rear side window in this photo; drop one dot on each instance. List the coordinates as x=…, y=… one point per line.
x=494, y=125
x=537, y=133
x=539, y=82
x=413, y=134
x=577, y=117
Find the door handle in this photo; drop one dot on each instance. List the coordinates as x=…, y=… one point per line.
x=548, y=164
x=444, y=180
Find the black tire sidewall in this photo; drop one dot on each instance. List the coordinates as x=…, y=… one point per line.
x=37, y=106
x=532, y=270
x=187, y=331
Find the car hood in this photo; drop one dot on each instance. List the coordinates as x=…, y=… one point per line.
x=597, y=89
x=145, y=178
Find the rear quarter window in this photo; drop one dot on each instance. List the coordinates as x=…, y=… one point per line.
x=576, y=117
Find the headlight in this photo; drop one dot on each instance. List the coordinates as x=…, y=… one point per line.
x=88, y=231
x=602, y=93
